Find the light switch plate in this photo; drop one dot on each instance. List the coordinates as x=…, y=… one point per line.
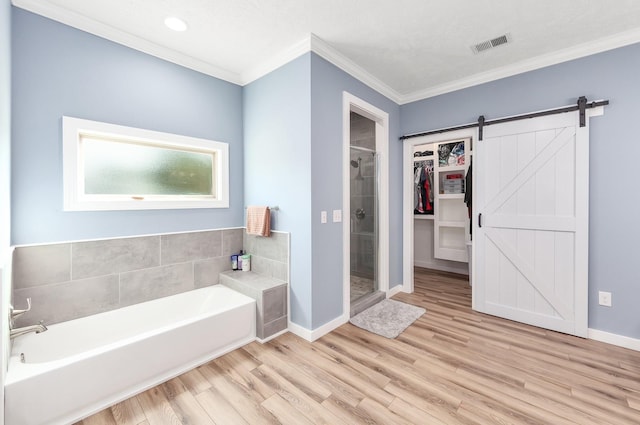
x=604, y=298
x=323, y=217
x=337, y=216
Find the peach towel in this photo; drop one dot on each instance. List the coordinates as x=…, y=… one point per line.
x=258, y=221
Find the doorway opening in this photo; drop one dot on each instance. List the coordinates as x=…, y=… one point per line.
x=440, y=237
x=366, y=231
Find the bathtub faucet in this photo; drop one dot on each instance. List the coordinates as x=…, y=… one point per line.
x=40, y=327
x=14, y=332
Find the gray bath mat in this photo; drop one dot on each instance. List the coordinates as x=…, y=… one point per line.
x=388, y=318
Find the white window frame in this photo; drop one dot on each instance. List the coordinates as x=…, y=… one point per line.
x=73, y=129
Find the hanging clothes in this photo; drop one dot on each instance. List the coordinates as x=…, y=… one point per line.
x=426, y=190
x=468, y=194
x=423, y=188
x=417, y=192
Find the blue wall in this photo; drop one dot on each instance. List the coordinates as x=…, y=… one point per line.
x=614, y=152
x=277, y=154
x=328, y=83
x=293, y=158
x=58, y=70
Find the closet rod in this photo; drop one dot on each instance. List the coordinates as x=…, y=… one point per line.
x=580, y=105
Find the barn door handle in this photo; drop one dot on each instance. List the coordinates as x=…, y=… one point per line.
x=480, y=220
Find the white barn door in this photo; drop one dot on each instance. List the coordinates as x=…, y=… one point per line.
x=531, y=188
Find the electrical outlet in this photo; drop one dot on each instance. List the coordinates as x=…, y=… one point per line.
x=323, y=217
x=604, y=298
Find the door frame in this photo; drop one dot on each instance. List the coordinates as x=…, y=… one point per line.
x=407, y=196
x=351, y=103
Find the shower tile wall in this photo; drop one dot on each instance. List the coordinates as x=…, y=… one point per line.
x=71, y=280
x=363, y=132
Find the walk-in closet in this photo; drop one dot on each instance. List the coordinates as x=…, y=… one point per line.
x=441, y=207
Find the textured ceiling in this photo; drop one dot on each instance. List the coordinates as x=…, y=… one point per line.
x=410, y=48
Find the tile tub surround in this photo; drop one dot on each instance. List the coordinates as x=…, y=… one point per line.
x=271, y=300
x=269, y=255
x=71, y=280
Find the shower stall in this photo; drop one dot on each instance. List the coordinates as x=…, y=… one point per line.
x=363, y=211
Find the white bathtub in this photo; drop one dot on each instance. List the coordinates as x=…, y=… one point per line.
x=79, y=367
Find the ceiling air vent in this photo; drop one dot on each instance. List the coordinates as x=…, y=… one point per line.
x=490, y=44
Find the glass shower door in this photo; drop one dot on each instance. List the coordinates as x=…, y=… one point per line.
x=364, y=222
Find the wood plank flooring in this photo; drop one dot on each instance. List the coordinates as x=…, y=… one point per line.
x=452, y=366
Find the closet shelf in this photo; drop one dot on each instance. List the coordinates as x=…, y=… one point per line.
x=449, y=168
x=451, y=196
x=423, y=217
x=459, y=224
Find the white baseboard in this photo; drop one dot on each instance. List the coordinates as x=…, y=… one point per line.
x=392, y=291
x=614, y=339
x=312, y=335
x=595, y=334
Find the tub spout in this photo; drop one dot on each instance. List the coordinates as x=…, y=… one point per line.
x=40, y=327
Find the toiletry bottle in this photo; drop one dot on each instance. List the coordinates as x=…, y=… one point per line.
x=234, y=262
x=246, y=263
x=240, y=260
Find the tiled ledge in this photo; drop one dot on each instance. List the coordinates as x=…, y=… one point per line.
x=271, y=299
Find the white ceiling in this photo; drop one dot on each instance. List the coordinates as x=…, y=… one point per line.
x=406, y=49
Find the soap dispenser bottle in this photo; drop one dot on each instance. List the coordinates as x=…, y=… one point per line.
x=234, y=262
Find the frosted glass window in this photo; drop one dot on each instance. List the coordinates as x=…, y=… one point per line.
x=112, y=167
x=117, y=168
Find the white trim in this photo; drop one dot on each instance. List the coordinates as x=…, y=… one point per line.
x=321, y=48
x=381, y=118
x=575, y=52
x=76, y=20
x=75, y=199
x=407, y=216
x=324, y=50
x=614, y=339
x=395, y=290
x=298, y=49
x=594, y=334
x=135, y=236
x=312, y=335
x=407, y=195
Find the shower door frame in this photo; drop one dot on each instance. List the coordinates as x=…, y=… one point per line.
x=351, y=103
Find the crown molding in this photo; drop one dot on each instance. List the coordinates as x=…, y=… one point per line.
x=321, y=48
x=275, y=62
x=318, y=46
x=324, y=50
x=76, y=20
x=576, y=52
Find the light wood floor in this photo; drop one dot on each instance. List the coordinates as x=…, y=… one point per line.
x=452, y=366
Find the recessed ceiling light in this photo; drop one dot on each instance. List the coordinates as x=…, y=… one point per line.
x=175, y=24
